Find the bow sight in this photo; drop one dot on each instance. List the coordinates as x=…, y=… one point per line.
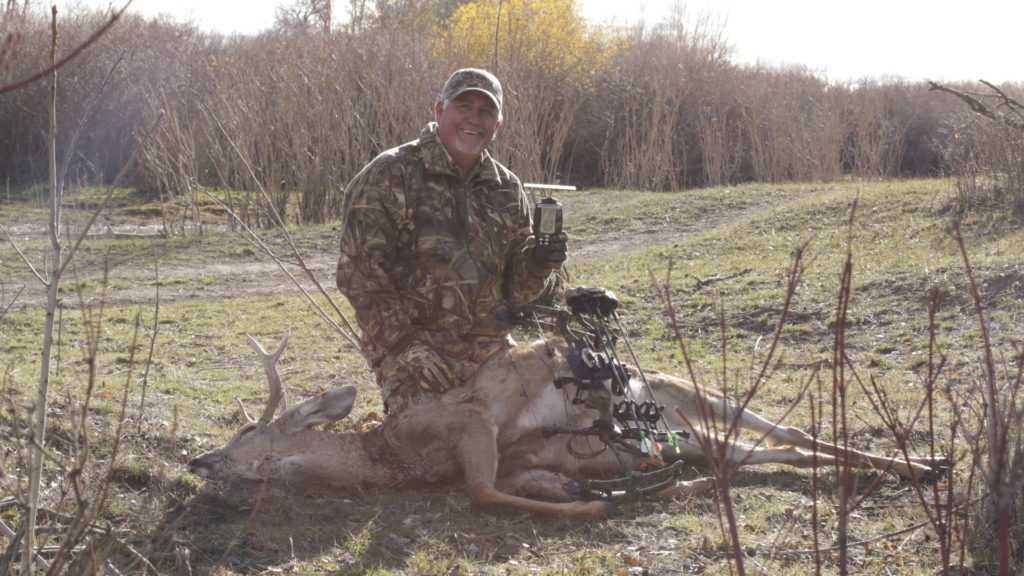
x=630, y=415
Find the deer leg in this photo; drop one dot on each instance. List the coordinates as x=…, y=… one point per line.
x=921, y=469
x=477, y=451
x=693, y=406
x=555, y=486
x=698, y=487
x=794, y=447
x=694, y=450
x=537, y=483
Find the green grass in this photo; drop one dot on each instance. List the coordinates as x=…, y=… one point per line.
x=722, y=254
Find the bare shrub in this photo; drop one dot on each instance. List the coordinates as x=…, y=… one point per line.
x=875, y=132
x=295, y=113
x=671, y=80
x=997, y=446
x=985, y=153
x=78, y=486
x=722, y=145
x=793, y=123
x=639, y=150
x=92, y=42
x=969, y=157
x=973, y=423
x=308, y=104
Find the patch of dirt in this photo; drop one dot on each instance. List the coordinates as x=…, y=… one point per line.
x=226, y=280
x=135, y=281
x=208, y=281
x=615, y=242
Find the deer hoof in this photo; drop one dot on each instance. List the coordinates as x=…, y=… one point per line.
x=702, y=486
x=936, y=470
x=611, y=508
x=573, y=489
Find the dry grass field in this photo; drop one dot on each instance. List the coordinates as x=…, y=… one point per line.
x=161, y=321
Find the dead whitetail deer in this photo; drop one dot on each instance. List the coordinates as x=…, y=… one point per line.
x=496, y=432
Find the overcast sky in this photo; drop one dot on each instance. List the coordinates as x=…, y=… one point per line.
x=848, y=40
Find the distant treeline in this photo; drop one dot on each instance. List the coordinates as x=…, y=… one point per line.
x=300, y=108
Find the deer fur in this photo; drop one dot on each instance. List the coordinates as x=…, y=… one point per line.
x=488, y=434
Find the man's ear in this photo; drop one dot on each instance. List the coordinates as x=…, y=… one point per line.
x=438, y=108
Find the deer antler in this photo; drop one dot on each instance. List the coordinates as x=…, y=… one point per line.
x=245, y=413
x=273, y=378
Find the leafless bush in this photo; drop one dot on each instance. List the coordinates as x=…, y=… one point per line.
x=967, y=159
x=73, y=537
x=309, y=105
x=996, y=451
x=12, y=22
x=722, y=144
x=875, y=133
x=793, y=124
x=639, y=151
x=985, y=153
x=721, y=436
x=974, y=424
x=92, y=41
x=542, y=113
x=294, y=113
x=671, y=81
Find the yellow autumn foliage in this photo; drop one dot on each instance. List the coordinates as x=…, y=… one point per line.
x=547, y=37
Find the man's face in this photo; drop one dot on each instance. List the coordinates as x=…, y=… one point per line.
x=467, y=126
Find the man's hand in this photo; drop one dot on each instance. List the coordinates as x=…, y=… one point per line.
x=544, y=258
x=428, y=366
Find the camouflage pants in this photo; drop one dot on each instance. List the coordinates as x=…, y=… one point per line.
x=400, y=393
x=400, y=389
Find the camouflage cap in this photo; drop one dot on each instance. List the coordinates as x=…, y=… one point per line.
x=472, y=79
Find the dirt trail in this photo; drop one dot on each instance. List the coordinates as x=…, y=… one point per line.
x=612, y=242
x=134, y=283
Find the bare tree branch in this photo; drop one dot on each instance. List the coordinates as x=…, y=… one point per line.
x=74, y=53
x=7, y=307
x=23, y=257
x=973, y=100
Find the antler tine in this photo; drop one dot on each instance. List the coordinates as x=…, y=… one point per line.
x=245, y=413
x=273, y=377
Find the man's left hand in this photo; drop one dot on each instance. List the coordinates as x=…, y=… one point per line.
x=544, y=258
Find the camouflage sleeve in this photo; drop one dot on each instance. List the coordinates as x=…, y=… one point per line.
x=374, y=208
x=520, y=284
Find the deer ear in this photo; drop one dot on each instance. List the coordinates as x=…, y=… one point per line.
x=328, y=407
x=325, y=408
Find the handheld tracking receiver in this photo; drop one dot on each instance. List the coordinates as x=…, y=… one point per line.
x=547, y=220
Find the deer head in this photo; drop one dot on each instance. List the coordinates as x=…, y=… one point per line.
x=288, y=448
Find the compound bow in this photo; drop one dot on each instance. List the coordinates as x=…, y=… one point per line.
x=631, y=419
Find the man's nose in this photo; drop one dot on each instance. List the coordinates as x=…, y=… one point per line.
x=475, y=115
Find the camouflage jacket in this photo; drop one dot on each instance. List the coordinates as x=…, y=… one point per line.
x=426, y=255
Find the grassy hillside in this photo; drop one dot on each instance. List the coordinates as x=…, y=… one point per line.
x=721, y=255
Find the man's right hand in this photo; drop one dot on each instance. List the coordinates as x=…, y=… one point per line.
x=428, y=366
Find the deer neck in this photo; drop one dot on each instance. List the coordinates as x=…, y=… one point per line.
x=314, y=459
